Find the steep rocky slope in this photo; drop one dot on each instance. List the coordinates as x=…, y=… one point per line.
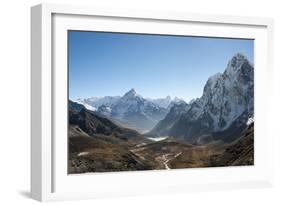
x=227, y=102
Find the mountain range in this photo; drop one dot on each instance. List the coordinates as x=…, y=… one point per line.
x=220, y=113
x=129, y=132
x=131, y=110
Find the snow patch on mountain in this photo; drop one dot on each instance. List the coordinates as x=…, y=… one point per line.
x=161, y=102
x=250, y=121
x=96, y=102
x=87, y=106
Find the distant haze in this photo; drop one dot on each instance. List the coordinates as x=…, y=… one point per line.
x=110, y=64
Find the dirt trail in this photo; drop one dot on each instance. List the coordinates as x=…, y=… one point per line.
x=165, y=160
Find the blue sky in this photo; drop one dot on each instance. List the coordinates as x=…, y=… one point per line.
x=110, y=64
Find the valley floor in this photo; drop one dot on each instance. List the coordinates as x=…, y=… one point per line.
x=98, y=154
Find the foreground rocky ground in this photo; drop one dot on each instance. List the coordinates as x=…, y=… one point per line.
x=108, y=153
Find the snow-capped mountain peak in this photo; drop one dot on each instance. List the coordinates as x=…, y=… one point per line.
x=227, y=100
x=131, y=92
x=235, y=64
x=133, y=109
x=161, y=102
x=237, y=60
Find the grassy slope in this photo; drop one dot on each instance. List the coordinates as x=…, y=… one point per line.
x=90, y=154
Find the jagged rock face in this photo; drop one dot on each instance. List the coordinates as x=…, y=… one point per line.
x=227, y=99
x=226, y=96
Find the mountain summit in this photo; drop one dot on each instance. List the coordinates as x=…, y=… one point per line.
x=224, y=108
x=134, y=111
x=131, y=93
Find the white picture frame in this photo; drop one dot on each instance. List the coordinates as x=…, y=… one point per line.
x=49, y=179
